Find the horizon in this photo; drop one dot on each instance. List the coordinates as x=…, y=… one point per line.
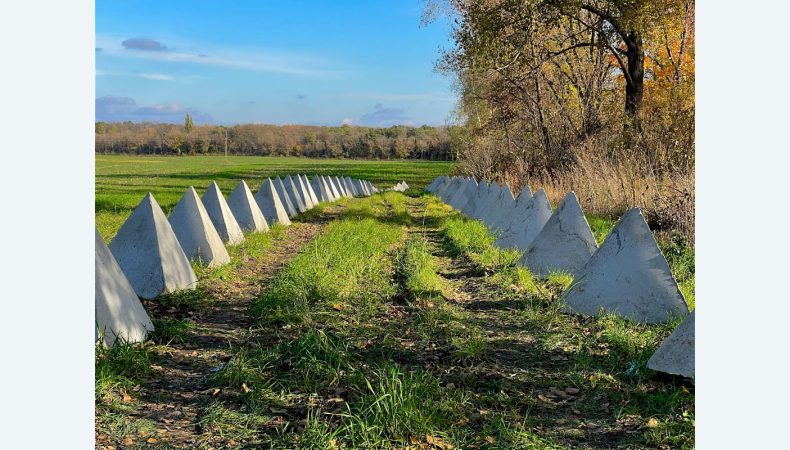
x=271, y=64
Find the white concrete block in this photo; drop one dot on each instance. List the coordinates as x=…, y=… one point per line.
x=149, y=254
x=676, y=354
x=271, y=206
x=246, y=210
x=628, y=276
x=221, y=216
x=119, y=313
x=195, y=231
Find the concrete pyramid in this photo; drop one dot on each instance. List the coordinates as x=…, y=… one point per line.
x=303, y=192
x=450, y=189
x=293, y=192
x=525, y=221
x=221, y=216
x=360, y=188
x=285, y=197
x=246, y=210
x=313, y=197
x=352, y=192
x=441, y=186
x=502, y=211
x=320, y=189
x=149, y=254
x=564, y=244
x=331, y=183
x=476, y=199
x=461, y=196
x=526, y=193
x=195, y=231
x=442, y=189
x=676, y=354
x=119, y=312
x=271, y=206
x=435, y=183
x=340, y=187
x=492, y=203
x=628, y=276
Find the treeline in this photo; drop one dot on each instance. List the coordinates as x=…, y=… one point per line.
x=397, y=142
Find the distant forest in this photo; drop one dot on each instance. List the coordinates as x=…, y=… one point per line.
x=397, y=142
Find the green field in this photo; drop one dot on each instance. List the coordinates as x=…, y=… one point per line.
x=123, y=180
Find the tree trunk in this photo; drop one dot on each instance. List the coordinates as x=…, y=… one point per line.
x=634, y=86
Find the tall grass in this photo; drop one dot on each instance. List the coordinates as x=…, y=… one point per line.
x=607, y=187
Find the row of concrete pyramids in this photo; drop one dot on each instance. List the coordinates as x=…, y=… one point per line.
x=628, y=275
x=150, y=254
x=400, y=187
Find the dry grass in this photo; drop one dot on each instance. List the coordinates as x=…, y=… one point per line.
x=608, y=187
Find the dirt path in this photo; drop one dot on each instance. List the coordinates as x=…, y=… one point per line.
x=171, y=396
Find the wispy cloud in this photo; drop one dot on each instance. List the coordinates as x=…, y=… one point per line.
x=118, y=109
x=394, y=97
x=156, y=76
x=382, y=116
x=259, y=60
x=144, y=44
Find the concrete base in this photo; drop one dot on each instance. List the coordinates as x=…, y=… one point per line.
x=221, y=216
x=195, y=232
x=564, y=244
x=628, y=276
x=246, y=210
x=676, y=354
x=149, y=254
x=119, y=313
x=271, y=206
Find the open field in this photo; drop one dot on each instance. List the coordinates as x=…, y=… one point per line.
x=123, y=180
x=387, y=322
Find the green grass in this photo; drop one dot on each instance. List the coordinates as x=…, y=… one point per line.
x=123, y=180
x=418, y=270
x=120, y=368
x=346, y=266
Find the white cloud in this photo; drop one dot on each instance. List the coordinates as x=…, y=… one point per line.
x=156, y=76
x=258, y=60
x=347, y=121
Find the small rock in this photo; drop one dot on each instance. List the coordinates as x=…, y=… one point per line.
x=572, y=391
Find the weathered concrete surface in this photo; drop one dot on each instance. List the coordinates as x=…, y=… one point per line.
x=271, y=206
x=459, y=197
x=676, y=354
x=451, y=189
x=628, y=276
x=302, y=191
x=313, y=197
x=119, y=312
x=246, y=210
x=360, y=188
x=524, y=223
x=490, y=201
x=285, y=198
x=350, y=186
x=330, y=185
x=320, y=189
x=221, y=216
x=293, y=194
x=477, y=198
x=149, y=254
x=442, y=187
x=195, y=231
x=502, y=211
x=340, y=187
x=564, y=244
x=525, y=193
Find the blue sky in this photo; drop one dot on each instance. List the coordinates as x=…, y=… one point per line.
x=309, y=62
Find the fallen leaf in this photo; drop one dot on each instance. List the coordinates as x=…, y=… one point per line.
x=414, y=440
x=215, y=391
x=652, y=422
x=337, y=306
x=151, y=440
x=245, y=388
x=128, y=441
x=126, y=397
x=490, y=439
x=592, y=425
